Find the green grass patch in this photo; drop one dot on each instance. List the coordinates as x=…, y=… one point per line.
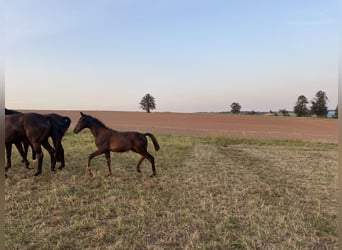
x=209, y=193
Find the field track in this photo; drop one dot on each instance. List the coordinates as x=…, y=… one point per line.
x=236, y=126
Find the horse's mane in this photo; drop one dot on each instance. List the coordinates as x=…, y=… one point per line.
x=97, y=121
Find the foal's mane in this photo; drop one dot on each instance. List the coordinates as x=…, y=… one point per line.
x=96, y=121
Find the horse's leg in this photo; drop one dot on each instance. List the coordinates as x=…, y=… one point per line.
x=140, y=161
x=33, y=153
x=39, y=154
x=23, y=154
x=91, y=156
x=8, y=155
x=149, y=157
x=59, y=152
x=51, y=151
x=26, y=144
x=23, y=146
x=60, y=156
x=107, y=154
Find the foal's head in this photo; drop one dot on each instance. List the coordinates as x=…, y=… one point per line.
x=83, y=123
x=87, y=121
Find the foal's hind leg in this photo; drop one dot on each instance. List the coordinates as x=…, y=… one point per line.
x=140, y=161
x=151, y=159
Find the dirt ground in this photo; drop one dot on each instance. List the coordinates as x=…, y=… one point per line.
x=240, y=126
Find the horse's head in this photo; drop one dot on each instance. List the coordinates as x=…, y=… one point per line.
x=81, y=124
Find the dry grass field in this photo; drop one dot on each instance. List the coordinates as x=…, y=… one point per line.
x=211, y=192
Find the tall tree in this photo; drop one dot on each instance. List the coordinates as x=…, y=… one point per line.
x=319, y=104
x=235, y=108
x=300, y=109
x=147, y=103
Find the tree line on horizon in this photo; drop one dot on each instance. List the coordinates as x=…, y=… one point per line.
x=318, y=106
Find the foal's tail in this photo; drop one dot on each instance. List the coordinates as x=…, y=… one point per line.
x=154, y=140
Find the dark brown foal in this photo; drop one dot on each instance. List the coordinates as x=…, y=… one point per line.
x=107, y=140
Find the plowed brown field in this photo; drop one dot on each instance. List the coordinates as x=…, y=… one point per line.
x=237, y=126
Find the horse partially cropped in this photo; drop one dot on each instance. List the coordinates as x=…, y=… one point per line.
x=11, y=112
x=107, y=140
x=36, y=129
x=23, y=145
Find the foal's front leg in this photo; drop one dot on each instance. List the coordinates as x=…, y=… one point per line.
x=91, y=156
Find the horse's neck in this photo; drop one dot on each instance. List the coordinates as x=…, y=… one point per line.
x=96, y=130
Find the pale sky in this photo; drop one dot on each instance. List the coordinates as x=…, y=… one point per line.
x=191, y=55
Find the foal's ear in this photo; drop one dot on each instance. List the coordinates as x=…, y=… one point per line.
x=81, y=114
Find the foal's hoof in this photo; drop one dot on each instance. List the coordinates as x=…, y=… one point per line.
x=153, y=175
x=38, y=173
x=61, y=167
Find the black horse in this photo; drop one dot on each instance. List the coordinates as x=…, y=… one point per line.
x=36, y=128
x=24, y=144
x=107, y=140
x=59, y=125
